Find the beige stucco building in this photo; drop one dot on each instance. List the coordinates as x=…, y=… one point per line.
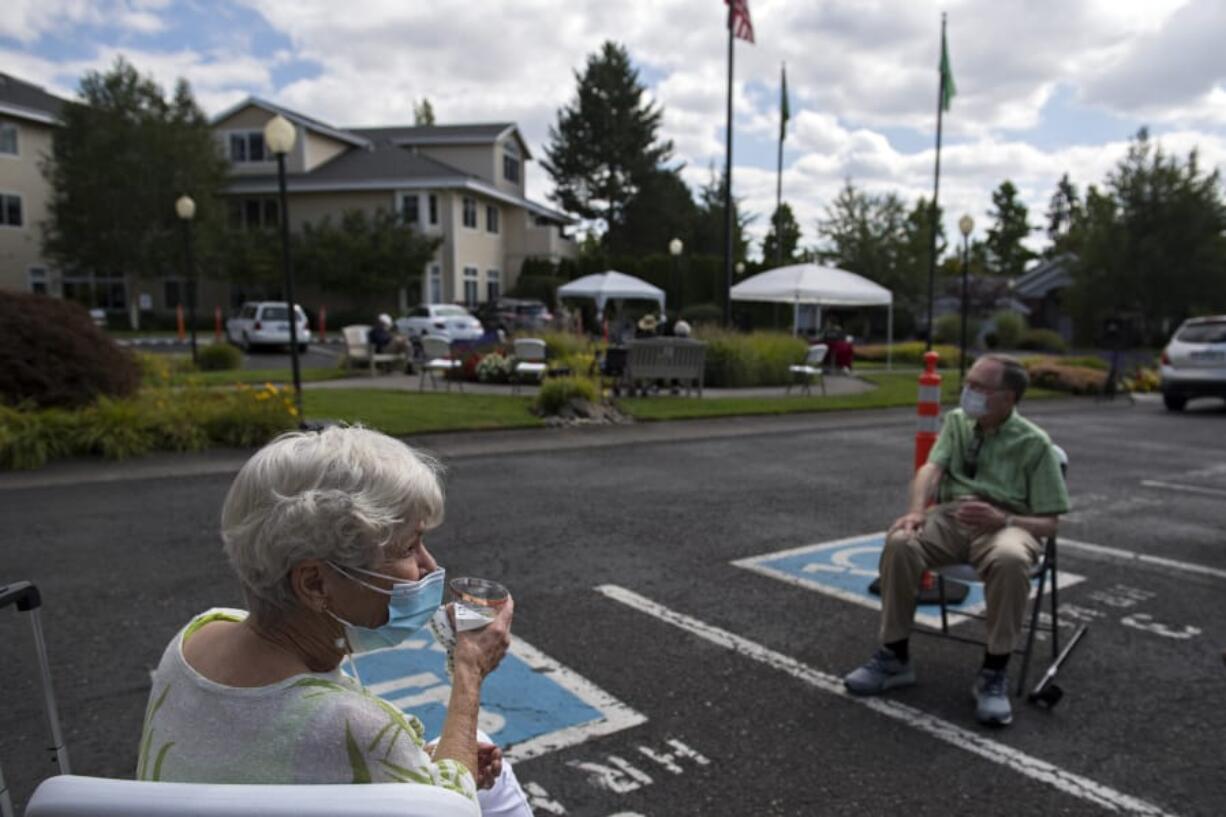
x=462, y=183
x=28, y=116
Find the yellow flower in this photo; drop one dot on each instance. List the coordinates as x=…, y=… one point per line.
x=293, y=412
x=261, y=396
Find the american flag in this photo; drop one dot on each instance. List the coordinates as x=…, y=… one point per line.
x=742, y=26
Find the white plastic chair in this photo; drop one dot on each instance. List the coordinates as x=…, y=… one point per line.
x=804, y=373
x=359, y=349
x=529, y=360
x=437, y=353
x=77, y=796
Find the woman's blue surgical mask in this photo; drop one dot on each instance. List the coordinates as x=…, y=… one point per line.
x=974, y=403
x=409, y=606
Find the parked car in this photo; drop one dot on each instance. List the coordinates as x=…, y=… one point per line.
x=514, y=314
x=266, y=323
x=1194, y=362
x=455, y=322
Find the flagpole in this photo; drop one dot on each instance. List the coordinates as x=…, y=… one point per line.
x=936, y=190
x=728, y=182
x=779, y=180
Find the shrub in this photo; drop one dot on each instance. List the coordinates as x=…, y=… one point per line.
x=735, y=359
x=1041, y=340
x=157, y=419
x=1084, y=361
x=948, y=329
x=556, y=393
x=560, y=344
x=495, y=368
x=1009, y=326
x=51, y=354
x=1075, y=379
x=697, y=314
x=218, y=357
x=1143, y=380
x=910, y=353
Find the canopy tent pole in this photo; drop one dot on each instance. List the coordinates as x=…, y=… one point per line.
x=817, y=317
x=889, y=338
x=796, y=317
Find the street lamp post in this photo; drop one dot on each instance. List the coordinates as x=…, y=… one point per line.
x=279, y=138
x=965, y=225
x=185, y=209
x=674, y=249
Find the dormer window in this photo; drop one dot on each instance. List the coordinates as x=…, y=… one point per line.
x=247, y=146
x=510, y=168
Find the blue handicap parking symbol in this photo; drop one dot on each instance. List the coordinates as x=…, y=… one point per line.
x=844, y=568
x=530, y=703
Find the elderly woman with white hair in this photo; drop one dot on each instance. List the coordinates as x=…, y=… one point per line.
x=325, y=532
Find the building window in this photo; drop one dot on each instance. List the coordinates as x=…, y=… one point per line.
x=433, y=209
x=253, y=214
x=38, y=280
x=470, y=212
x=101, y=290
x=10, y=210
x=409, y=208
x=491, y=218
x=510, y=168
x=436, y=283
x=247, y=147
x=8, y=138
x=493, y=284
x=470, y=286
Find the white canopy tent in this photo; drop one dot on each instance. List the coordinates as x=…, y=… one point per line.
x=813, y=284
x=612, y=286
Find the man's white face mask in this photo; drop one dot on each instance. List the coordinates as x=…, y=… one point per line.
x=974, y=403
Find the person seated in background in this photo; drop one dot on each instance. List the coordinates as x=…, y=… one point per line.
x=384, y=338
x=647, y=326
x=681, y=329
x=325, y=532
x=1000, y=490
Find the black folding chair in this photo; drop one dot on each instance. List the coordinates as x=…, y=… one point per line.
x=1045, y=571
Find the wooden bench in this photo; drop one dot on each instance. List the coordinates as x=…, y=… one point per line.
x=651, y=359
x=359, y=351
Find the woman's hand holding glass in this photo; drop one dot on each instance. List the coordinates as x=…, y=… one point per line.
x=482, y=650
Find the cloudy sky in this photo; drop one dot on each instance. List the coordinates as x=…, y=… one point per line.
x=1044, y=86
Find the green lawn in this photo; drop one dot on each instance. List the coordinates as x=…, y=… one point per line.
x=232, y=376
x=402, y=413
x=893, y=390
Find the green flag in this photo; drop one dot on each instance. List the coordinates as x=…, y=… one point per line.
x=784, y=114
x=948, y=89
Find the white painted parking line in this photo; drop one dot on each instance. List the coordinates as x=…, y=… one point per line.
x=1030, y=766
x=1143, y=558
x=1187, y=489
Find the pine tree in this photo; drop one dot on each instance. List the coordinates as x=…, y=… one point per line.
x=776, y=251
x=423, y=112
x=1064, y=207
x=604, y=145
x=1008, y=256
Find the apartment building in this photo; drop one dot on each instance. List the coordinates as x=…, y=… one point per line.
x=462, y=183
x=28, y=116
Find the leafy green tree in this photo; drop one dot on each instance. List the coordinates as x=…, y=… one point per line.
x=125, y=153
x=662, y=209
x=604, y=145
x=864, y=233
x=363, y=253
x=1009, y=227
x=911, y=275
x=423, y=112
x=1151, y=245
x=708, y=230
x=781, y=249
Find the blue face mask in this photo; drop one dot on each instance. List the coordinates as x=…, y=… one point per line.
x=409, y=606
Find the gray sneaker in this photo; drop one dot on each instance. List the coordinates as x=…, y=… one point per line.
x=883, y=671
x=991, y=691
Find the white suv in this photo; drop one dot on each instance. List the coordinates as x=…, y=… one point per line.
x=1194, y=362
x=266, y=323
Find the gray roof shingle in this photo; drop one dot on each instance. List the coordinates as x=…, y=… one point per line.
x=17, y=93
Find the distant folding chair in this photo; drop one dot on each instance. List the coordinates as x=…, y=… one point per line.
x=1044, y=570
x=437, y=357
x=529, y=361
x=804, y=373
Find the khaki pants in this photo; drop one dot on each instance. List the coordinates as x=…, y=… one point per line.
x=1003, y=559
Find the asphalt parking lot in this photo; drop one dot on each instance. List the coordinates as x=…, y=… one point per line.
x=657, y=674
